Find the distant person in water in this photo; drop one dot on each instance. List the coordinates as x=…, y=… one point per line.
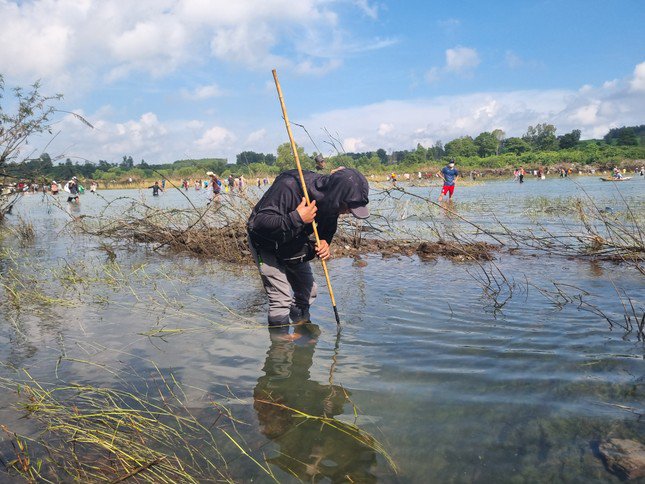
x=155, y=189
x=216, y=185
x=54, y=187
x=72, y=189
x=449, y=174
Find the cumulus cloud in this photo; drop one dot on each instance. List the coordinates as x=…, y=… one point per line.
x=384, y=128
x=256, y=136
x=638, y=81
x=459, y=60
x=64, y=39
x=392, y=125
x=215, y=138
x=401, y=124
x=353, y=145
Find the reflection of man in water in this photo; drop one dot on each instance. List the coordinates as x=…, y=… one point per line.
x=307, y=448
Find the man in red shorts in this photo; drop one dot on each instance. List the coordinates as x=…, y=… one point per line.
x=449, y=174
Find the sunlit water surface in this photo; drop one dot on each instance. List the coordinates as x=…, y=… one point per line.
x=455, y=389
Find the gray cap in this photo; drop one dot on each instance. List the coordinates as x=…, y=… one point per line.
x=360, y=212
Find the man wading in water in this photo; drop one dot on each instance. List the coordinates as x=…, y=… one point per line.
x=449, y=174
x=279, y=229
x=156, y=189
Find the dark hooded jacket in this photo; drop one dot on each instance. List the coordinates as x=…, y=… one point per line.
x=275, y=224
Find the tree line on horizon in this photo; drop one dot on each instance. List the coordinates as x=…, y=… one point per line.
x=538, y=146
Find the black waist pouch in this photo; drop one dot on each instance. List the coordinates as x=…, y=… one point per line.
x=296, y=252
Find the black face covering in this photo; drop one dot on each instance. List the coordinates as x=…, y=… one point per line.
x=344, y=188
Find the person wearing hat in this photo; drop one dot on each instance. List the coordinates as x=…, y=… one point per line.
x=279, y=228
x=449, y=174
x=216, y=185
x=72, y=188
x=320, y=162
x=54, y=187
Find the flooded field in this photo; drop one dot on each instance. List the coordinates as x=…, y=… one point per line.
x=510, y=370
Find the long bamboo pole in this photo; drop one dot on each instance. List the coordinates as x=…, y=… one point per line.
x=304, y=188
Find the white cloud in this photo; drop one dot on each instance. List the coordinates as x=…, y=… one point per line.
x=369, y=10
x=384, y=128
x=256, y=136
x=65, y=40
x=215, y=138
x=401, y=124
x=461, y=60
x=585, y=115
x=353, y=145
x=638, y=81
x=308, y=67
x=202, y=92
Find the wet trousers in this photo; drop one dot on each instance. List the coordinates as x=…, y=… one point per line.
x=291, y=288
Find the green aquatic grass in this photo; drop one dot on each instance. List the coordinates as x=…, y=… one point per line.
x=111, y=434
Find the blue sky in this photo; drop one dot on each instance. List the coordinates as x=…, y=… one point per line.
x=163, y=80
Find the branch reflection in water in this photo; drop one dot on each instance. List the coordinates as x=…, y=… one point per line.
x=298, y=413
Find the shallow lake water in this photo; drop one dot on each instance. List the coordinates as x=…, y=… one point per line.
x=455, y=386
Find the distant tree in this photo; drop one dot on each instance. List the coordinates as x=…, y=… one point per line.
x=286, y=161
x=515, y=145
x=615, y=134
x=487, y=144
x=541, y=137
x=627, y=137
x=569, y=140
x=464, y=146
x=46, y=162
x=382, y=155
x=436, y=152
x=398, y=156
x=68, y=170
x=104, y=165
x=127, y=162
x=249, y=157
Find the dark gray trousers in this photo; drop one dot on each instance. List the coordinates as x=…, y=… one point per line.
x=291, y=288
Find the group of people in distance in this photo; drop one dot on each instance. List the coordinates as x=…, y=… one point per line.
x=214, y=184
